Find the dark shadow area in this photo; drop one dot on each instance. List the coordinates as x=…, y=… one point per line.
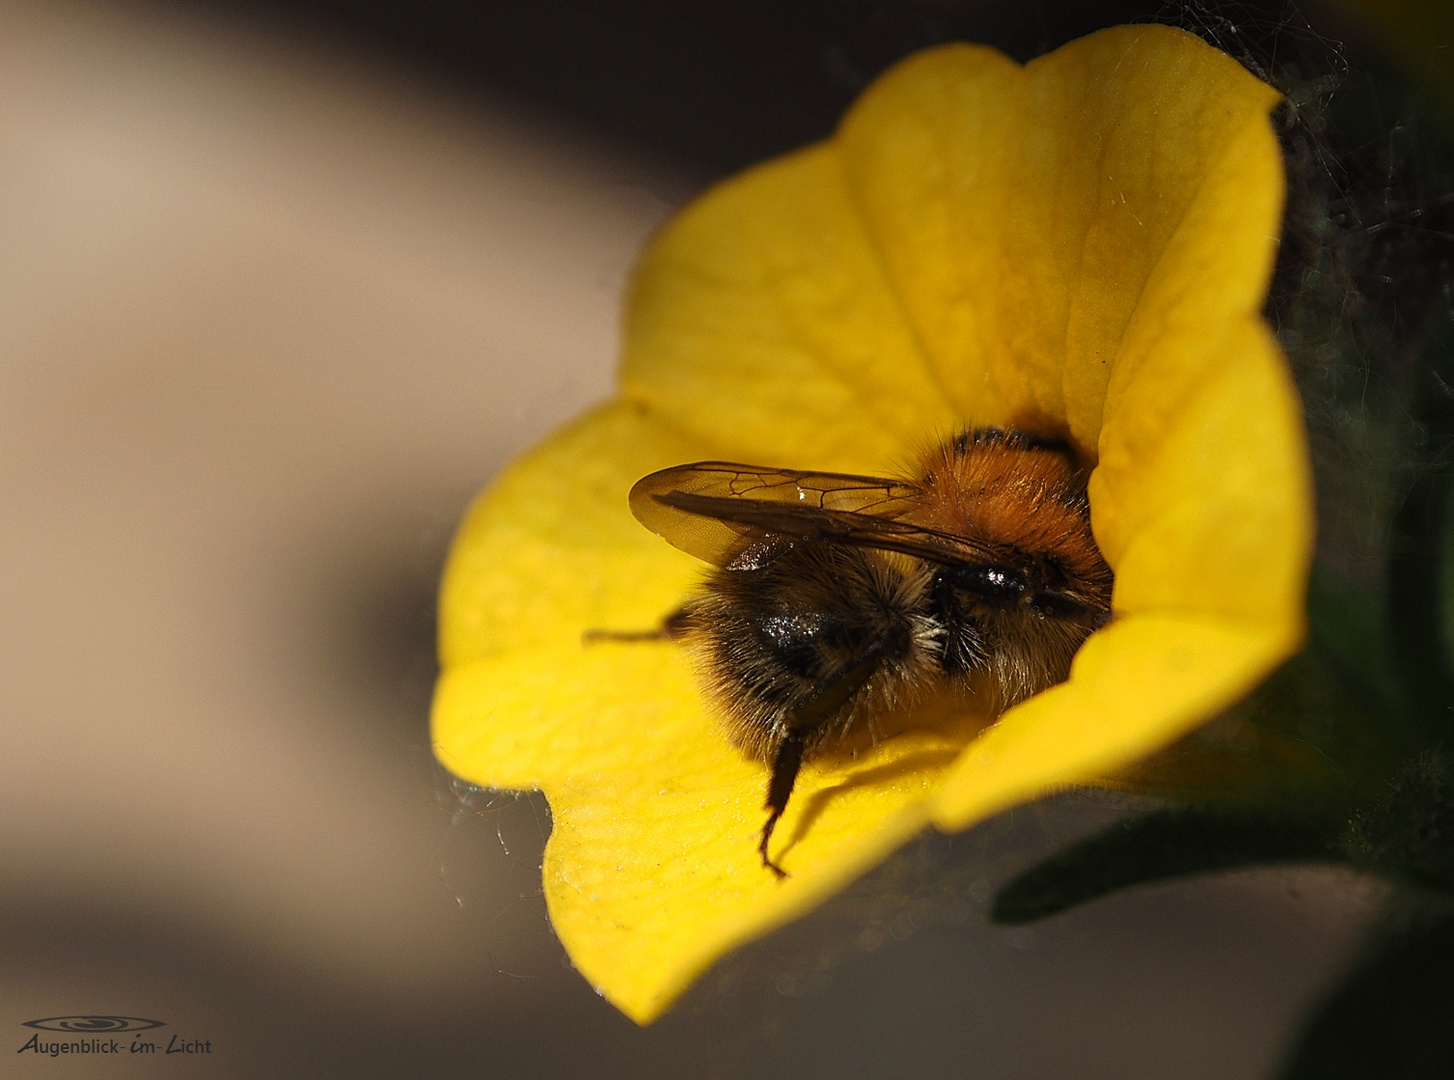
x=901, y=974
x=718, y=85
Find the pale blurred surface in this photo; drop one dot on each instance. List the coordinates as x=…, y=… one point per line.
x=269, y=316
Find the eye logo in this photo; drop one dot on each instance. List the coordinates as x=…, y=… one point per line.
x=94, y=1025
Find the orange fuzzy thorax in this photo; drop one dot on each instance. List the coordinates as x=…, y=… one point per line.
x=1008, y=495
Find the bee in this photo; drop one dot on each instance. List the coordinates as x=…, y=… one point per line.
x=837, y=598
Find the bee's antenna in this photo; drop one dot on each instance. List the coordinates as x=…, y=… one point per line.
x=672, y=628
x=779, y=789
x=591, y=636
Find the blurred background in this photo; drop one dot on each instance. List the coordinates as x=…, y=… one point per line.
x=281, y=287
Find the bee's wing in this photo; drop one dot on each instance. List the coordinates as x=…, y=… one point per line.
x=717, y=509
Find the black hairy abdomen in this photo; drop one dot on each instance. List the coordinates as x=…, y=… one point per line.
x=799, y=641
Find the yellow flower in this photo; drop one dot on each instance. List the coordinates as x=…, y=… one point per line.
x=1080, y=245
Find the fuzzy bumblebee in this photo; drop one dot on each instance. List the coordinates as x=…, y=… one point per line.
x=839, y=598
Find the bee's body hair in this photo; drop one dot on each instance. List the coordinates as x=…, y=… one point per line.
x=810, y=630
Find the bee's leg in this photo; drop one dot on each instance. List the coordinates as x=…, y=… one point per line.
x=672, y=627
x=828, y=699
x=785, y=765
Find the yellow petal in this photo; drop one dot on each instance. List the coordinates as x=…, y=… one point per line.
x=550, y=549
x=1134, y=687
x=1080, y=245
x=1024, y=212
x=1119, y=202
x=652, y=873
x=761, y=321
x=652, y=868
x=1210, y=535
